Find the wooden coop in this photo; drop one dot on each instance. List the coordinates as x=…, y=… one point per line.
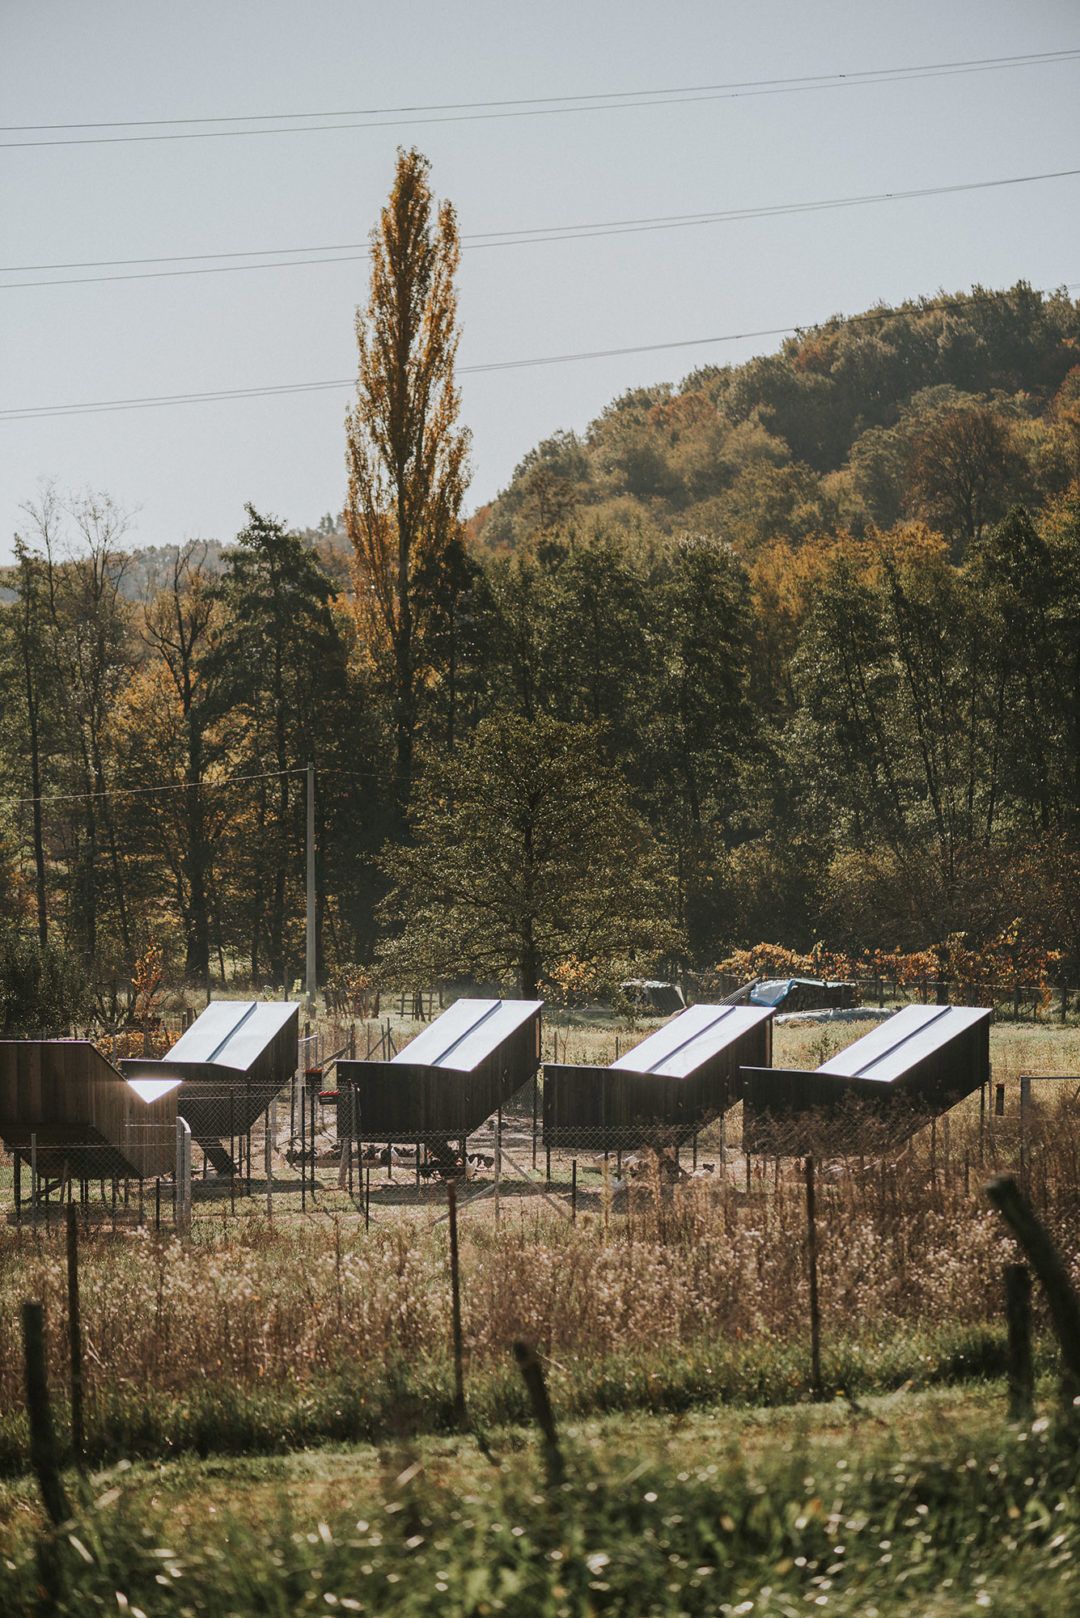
x=663, y=1091
x=912, y=1067
x=236, y=1057
x=444, y=1084
x=66, y=1108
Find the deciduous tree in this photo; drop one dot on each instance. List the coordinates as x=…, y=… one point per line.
x=526, y=853
x=405, y=453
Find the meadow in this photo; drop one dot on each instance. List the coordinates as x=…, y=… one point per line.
x=273, y=1379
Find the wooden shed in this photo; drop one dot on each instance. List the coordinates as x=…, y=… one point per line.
x=911, y=1067
x=451, y=1077
x=66, y=1103
x=663, y=1091
x=233, y=1060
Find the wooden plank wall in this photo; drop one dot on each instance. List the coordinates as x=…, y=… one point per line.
x=70, y=1097
x=406, y=1101
x=777, y=1098
x=605, y=1107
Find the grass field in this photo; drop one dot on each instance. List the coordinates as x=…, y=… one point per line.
x=273, y=1400
x=923, y=1505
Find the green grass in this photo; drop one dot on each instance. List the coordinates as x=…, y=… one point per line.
x=915, y=1506
x=405, y=1398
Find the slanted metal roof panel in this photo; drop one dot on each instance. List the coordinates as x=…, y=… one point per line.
x=233, y=1033
x=894, y=1047
x=680, y=1047
x=466, y=1033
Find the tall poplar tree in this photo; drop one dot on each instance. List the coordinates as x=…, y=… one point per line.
x=405, y=453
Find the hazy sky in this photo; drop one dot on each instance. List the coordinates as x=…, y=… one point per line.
x=188, y=469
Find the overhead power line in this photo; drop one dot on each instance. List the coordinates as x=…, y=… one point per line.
x=173, y=786
x=1027, y=58
x=521, y=107
x=342, y=253
x=153, y=401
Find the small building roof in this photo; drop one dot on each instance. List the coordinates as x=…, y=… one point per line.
x=233, y=1033
x=466, y=1033
x=681, y=1046
x=910, y=1036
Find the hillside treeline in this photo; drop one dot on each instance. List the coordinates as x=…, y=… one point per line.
x=810, y=625
x=946, y=410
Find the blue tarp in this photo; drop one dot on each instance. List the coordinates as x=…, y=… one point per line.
x=802, y=994
x=776, y=990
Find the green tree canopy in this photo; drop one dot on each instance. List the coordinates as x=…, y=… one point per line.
x=526, y=853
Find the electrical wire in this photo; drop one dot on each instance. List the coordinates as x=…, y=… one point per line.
x=1024, y=59
x=151, y=401
x=524, y=236
x=173, y=786
x=539, y=107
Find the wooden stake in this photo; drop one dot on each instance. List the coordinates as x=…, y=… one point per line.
x=78, y=1443
x=812, y=1257
x=532, y=1373
x=455, y=1309
x=1046, y=1261
x=43, y=1457
x=1020, y=1373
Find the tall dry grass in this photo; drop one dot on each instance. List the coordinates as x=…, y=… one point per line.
x=648, y=1297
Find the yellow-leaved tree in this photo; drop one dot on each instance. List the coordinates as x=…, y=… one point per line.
x=405, y=452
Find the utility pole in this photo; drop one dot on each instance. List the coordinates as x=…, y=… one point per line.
x=311, y=985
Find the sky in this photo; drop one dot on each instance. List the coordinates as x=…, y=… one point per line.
x=185, y=471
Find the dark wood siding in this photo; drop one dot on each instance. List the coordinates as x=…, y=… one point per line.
x=220, y=1102
x=83, y=1115
x=407, y=1101
x=777, y=1100
x=605, y=1107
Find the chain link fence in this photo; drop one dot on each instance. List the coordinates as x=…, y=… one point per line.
x=306, y=1153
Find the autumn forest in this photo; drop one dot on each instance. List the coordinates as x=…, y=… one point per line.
x=789, y=651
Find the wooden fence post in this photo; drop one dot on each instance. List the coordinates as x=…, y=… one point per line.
x=1021, y=1375
x=1046, y=1261
x=1025, y=1109
x=455, y=1308
x=532, y=1373
x=982, y=1123
x=42, y=1437
x=78, y=1440
x=812, y=1261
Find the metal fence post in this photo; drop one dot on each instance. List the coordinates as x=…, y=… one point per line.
x=33, y=1179
x=535, y=1109
x=812, y=1267
x=182, y=1185
x=78, y=1443
x=271, y=1130
x=354, y=1153
x=303, y=1148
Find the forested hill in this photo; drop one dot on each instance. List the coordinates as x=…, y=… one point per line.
x=788, y=654
x=948, y=409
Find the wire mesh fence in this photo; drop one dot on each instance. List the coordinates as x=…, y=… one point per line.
x=48, y=1171
x=304, y=1152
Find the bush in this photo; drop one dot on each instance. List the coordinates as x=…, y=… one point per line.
x=41, y=987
